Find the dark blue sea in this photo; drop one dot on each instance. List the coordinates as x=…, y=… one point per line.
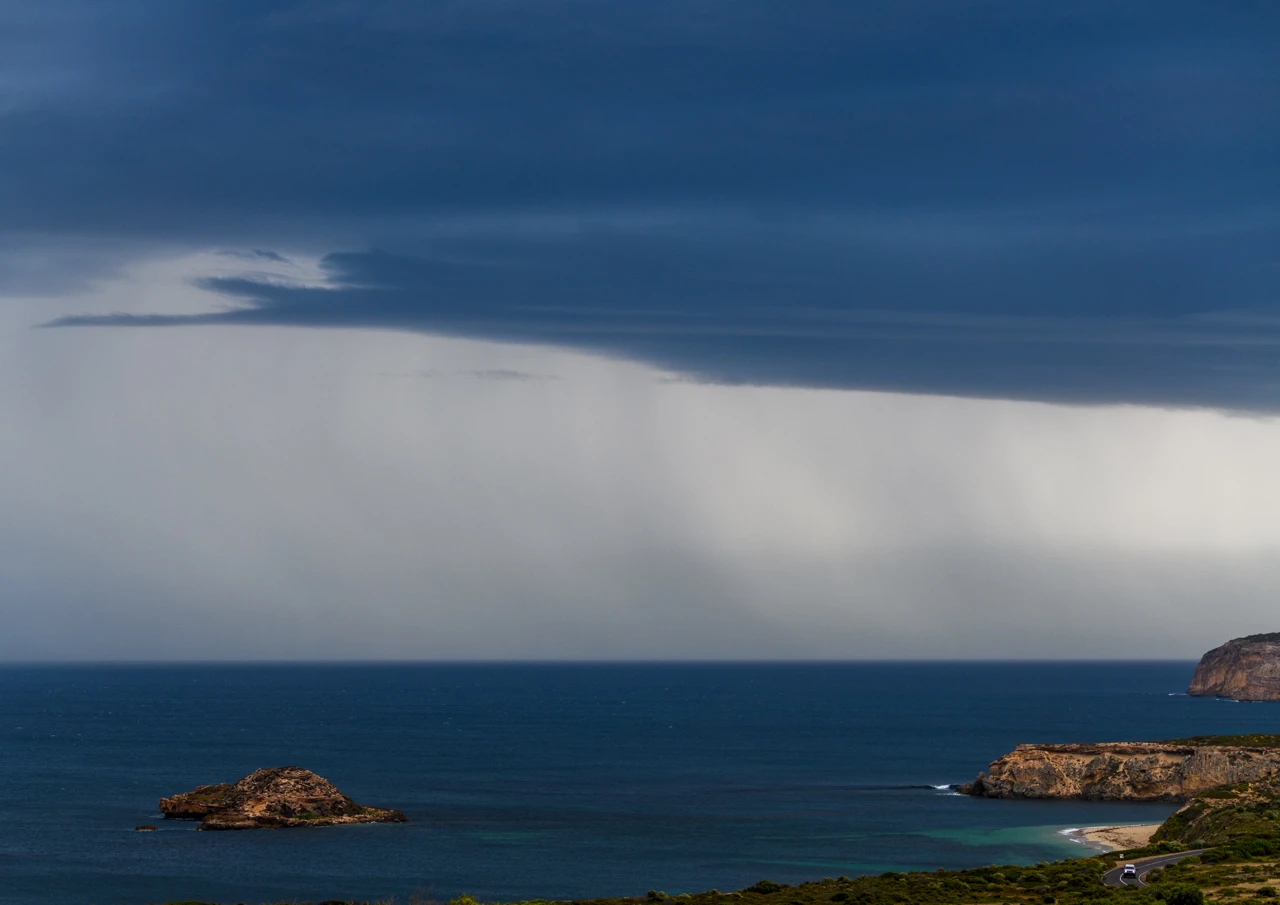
x=554, y=781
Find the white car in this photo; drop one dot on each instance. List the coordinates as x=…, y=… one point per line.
x=1129, y=871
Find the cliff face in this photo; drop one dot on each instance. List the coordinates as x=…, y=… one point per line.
x=1126, y=771
x=272, y=797
x=1247, y=669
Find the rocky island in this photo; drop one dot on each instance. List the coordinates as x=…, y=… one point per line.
x=1129, y=771
x=272, y=797
x=1246, y=669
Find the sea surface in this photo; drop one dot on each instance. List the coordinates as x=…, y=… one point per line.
x=555, y=781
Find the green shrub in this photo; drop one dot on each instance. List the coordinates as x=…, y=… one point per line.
x=1180, y=894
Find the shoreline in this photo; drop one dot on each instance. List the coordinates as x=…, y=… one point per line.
x=1113, y=838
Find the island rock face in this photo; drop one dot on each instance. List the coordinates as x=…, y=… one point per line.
x=272, y=797
x=1126, y=771
x=1246, y=669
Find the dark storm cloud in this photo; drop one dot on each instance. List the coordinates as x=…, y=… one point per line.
x=785, y=318
x=1058, y=201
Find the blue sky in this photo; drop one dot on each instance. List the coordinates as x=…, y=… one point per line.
x=1016, y=203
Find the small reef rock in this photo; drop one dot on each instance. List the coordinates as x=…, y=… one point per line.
x=1128, y=771
x=1246, y=669
x=272, y=797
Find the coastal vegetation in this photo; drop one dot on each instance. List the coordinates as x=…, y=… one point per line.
x=1239, y=821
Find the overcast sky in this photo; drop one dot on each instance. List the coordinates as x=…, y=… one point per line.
x=686, y=328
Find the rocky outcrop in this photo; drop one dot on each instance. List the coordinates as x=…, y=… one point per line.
x=1124, y=771
x=1246, y=669
x=272, y=797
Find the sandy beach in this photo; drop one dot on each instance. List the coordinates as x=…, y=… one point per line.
x=1113, y=838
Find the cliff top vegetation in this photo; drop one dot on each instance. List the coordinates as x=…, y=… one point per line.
x=1255, y=740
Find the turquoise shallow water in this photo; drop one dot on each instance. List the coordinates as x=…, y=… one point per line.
x=554, y=781
x=1053, y=838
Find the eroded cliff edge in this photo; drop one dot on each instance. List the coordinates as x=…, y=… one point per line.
x=1129, y=771
x=272, y=797
x=1246, y=669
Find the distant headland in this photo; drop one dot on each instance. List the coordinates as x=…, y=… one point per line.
x=271, y=798
x=1129, y=771
x=1245, y=669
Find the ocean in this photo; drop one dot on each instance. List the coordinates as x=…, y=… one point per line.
x=555, y=781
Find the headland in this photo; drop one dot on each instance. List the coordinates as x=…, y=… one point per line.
x=1172, y=770
x=1243, y=669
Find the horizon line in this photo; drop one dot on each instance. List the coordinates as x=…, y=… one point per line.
x=597, y=662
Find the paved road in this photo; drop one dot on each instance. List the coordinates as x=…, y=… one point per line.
x=1144, y=865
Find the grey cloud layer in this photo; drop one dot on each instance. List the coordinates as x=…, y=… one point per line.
x=235, y=493
x=987, y=197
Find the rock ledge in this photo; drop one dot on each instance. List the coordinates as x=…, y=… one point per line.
x=1128, y=771
x=272, y=797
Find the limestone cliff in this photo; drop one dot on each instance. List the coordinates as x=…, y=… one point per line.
x=1247, y=669
x=272, y=797
x=1127, y=771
